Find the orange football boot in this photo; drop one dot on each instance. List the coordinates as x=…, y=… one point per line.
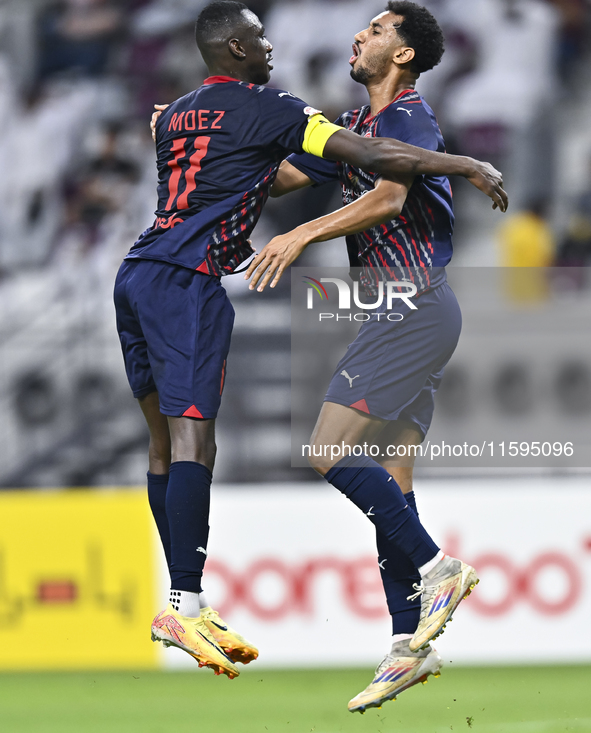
x=192, y=636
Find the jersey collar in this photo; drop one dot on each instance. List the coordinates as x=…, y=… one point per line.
x=402, y=93
x=218, y=80
x=396, y=98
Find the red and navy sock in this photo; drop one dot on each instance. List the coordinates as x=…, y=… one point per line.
x=187, y=509
x=157, y=485
x=371, y=488
x=398, y=575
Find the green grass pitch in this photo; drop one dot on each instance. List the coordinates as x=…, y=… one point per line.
x=482, y=700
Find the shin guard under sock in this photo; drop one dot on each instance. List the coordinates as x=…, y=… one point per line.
x=398, y=575
x=157, y=485
x=371, y=488
x=187, y=509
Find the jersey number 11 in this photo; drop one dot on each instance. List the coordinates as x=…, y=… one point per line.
x=178, y=148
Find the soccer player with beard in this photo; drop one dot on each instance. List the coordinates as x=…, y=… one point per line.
x=396, y=228
x=218, y=152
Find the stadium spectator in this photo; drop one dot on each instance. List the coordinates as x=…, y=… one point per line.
x=38, y=149
x=79, y=35
x=574, y=34
x=312, y=43
x=159, y=60
x=526, y=239
x=501, y=110
x=102, y=187
x=575, y=248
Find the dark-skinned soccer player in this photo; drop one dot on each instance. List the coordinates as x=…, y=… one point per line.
x=218, y=152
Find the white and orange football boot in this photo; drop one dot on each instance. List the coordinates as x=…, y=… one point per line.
x=233, y=644
x=442, y=590
x=399, y=670
x=192, y=636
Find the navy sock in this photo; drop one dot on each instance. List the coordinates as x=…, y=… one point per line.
x=187, y=509
x=398, y=575
x=411, y=500
x=371, y=488
x=157, y=484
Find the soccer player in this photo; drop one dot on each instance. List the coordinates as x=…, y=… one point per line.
x=218, y=152
x=383, y=388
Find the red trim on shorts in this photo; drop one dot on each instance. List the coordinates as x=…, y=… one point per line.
x=192, y=412
x=361, y=405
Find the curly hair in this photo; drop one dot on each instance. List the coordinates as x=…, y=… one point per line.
x=422, y=33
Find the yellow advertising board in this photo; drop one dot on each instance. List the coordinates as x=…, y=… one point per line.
x=77, y=580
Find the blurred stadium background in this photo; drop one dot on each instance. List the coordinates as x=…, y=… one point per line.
x=80, y=571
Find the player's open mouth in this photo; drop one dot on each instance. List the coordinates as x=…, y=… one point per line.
x=355, y=55
x=269, y=64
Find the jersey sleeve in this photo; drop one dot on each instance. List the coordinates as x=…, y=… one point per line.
x=291, y=124
x=318, y=169
x=410, y=123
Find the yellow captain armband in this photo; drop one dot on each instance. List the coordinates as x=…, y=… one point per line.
x=318, y=131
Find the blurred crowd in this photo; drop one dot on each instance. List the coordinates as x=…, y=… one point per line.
x=78, y=79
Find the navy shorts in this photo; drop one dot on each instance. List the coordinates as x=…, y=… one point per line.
x=393, y=368
x=175, y=326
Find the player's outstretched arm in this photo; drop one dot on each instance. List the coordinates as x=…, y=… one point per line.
x=391, y=157
x=385, y=202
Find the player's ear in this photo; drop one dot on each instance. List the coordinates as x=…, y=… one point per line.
x=236, y=48
x=403, y=55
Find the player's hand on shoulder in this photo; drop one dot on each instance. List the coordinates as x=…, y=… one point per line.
x=490, y=181
x=275, y=258
x=159, y=110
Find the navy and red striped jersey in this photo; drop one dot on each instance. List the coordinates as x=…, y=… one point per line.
x=421, y=237
x=218, y=151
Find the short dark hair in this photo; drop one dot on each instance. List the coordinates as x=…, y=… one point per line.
x=214, y=21
x=422, y=33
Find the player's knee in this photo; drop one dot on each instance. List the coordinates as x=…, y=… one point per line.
x=159, y=455
x=202, y=450
x=210, y=452
x=205, y=454
x=206, y=449
x=318, y=463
